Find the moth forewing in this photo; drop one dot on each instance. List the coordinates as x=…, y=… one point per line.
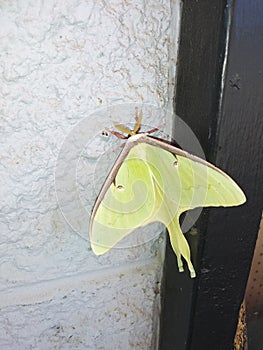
x=175, y=184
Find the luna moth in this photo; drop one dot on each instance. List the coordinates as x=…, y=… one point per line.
x=151, y=181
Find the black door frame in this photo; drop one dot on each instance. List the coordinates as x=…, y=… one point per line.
x=219, y=94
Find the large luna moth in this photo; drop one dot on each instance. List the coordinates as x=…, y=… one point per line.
x=155, y=181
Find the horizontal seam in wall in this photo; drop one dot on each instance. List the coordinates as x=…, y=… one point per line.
x=42, y=291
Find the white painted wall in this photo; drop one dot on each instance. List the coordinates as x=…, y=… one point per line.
x=61, y=61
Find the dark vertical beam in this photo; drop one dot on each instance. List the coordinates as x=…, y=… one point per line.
x=231, y=233
x=226, y=115
x=201, y=54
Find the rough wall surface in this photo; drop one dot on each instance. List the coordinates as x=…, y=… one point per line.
x=60, y=61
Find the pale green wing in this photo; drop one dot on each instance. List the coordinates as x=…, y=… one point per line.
x=128, y=203
x=185, y=183
x=152, y=184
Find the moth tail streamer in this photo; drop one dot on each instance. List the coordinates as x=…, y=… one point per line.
x=180, y=246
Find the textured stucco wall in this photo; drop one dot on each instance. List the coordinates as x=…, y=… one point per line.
x=60, y=61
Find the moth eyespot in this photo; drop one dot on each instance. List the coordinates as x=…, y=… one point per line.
x=120, y=187
x=104, y=133
x=175, y=163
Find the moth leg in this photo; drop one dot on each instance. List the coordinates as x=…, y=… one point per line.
x=153, y=130
x=117, y=134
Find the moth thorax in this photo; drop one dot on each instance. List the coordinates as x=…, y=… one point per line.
x=135, y=138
